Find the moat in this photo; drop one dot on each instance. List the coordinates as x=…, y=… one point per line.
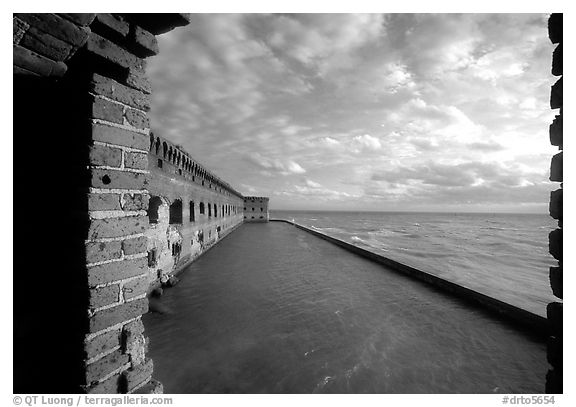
x=272, y=309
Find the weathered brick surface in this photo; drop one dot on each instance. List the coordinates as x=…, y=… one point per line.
x=115, y=271
x=106, y=365
x=136, y=287
x=554, y=314
x=556, y=95
x=556, y=204
x=116, y=227
x=112, y=316
x=138, y=374
x=137, y=79
x=102, y=178
x=56, y=25
x=106, y=49
x=555, y=244
x=135, y=202
x=108, y=386
x=122, y=137
x=556, y=281
x=105, y=155
x=145, y=43
x=152, y=387
x=104, y=202
x=102, y=251
x=19, y=28
x=46, y=44
x=121, y=93
x=134, y=342
x=137, y=119
x=133, y=328
x=556, y=131
x=107, y=110
x=135, y=245
x=556, y=168
x=102, y=296
x=108, y=25
x=136, y=160
x=102, y=343
x=79, y=18
x=38, y=64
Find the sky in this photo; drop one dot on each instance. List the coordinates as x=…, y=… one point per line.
x=367, y=112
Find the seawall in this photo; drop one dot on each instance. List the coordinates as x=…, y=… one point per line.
x=535, y=323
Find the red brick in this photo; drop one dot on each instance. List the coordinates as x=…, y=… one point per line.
x=38, y=64
x=133, y=328
x=104, y=155
x=108, y=386
x=79, y=18
x=99, y=297
x=556, y=280
x=152, y=387
x=112, y=179
x=57, y=26
x=106, y=49
x=121, y=93
x=46, y=44
x=135, y=202
x=137, y=79
x=135, y=245
x=556, y=168
x=104, y=202
x=106, y=365
x=19, y=28
x=118, y=136
x=105, y=24
x=145, y=43
x=102, y=343
x=137, y=119
x=102, y=251
x=117, y=227
x=112, y=316
x=107, y=110
x=136, y=160
x=138, y=374
x=115, y=271
x=136, y=287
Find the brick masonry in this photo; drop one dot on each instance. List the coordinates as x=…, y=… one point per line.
x=554, y=310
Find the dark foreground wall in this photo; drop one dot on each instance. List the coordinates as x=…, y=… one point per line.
x=554, y=310
x=82, y=264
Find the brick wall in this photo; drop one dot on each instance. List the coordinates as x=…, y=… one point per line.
x=256, y=209
x=81, y=95
x=554, y=310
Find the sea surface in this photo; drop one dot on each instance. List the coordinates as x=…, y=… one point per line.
x=274, y=309
x=502, y=255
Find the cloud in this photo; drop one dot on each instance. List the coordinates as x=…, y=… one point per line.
x=372, y=108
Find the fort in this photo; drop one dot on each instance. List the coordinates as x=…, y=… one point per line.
x=122, y=209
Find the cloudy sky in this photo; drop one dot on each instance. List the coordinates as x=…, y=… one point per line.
x=429, y=112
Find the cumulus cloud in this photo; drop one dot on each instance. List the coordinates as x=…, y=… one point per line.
x=372, y=108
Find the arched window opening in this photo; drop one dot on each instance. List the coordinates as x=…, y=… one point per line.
x=209, y=210
x=157, y=145
x=176, y=212
x=215, y=211
x=202, y=211
x=165, y=149
x=151, y=141
x=192, y=216
x=153, y=206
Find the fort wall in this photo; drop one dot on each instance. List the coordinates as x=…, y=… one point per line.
x=256, y=209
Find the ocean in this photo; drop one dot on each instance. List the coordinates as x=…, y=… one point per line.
x=274, y=309
x=502, y=255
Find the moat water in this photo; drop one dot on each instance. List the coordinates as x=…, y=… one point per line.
x=273, y=309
